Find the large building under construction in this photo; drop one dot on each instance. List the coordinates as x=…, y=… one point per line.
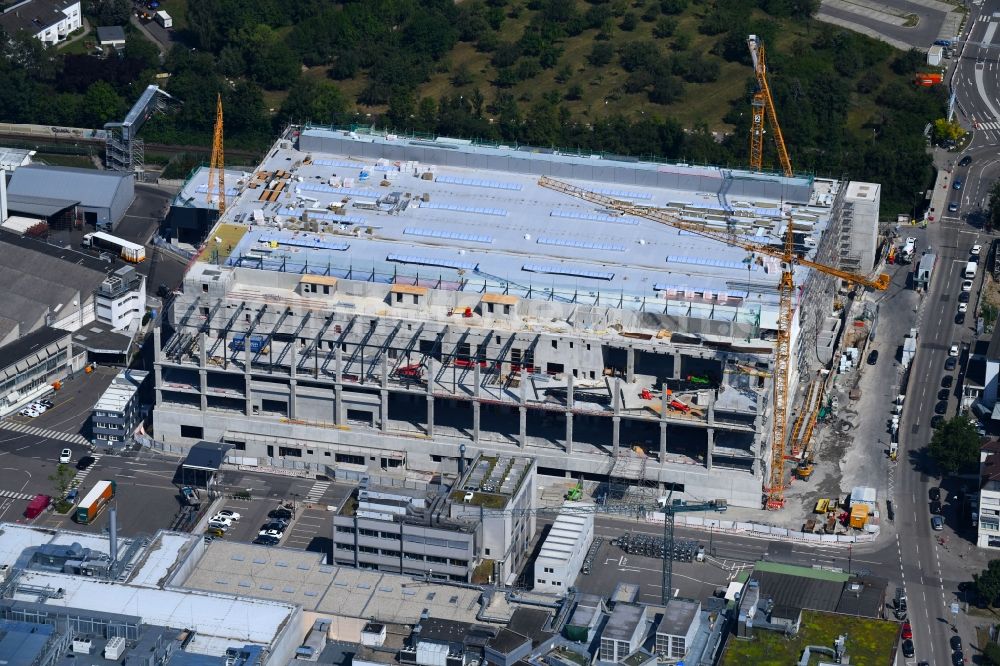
x=373, y=301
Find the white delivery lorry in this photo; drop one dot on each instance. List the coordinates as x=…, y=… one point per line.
x=970, y=270
x=164, y=19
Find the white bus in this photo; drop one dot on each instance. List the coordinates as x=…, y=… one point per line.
x=131, y=252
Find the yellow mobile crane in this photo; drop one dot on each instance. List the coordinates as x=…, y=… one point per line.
x=782, y=347
x=763, y=106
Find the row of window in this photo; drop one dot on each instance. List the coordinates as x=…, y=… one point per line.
x=416, y=557
x=555, y=583
x=409, y=538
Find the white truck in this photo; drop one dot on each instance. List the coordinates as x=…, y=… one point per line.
x=908, y=249
x=164, y=19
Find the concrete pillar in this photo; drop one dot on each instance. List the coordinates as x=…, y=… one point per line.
x=476, y=407
x=710, y=412
x=385, y=372
x=663, y=441
x=630, y=365
x=203, y=387
x=246, y=376
x=293, y=390
x=616, y=423
x=710, y=448
x=522, y=436
x=569, y=413
x=430, y=415
x=293, y=358
x=616, y=399
x=338, y=364
x=157, y=352
x=677, y=365
x=384, y=410
x=569, y=432
x=202, y=349
x=338, y=389
x=476, y=378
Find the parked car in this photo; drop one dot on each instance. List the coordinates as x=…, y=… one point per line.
x=965, y=161
x=30, y=412
x=907, y=631
x=219, y=525
x=976, y=249
x=936, y=421
x=953, y=350
x=957, y=658
x=957, y=184
x=280, y=512
x=960, y=318
x=951, y=363
x=963, y=307
x=266, y=541
x=270, y=533
x=215, y=532
x=935, y=507
x=66, y=456
x=963, y=297
x=39, y=407
x=956, y=643
x=935, y=494
x=941, y=407
x=72, y=495
x=937, y=522
x=966, y=285
x=946, y=381
x=279, y=525
x=873, y=357
x=229, y=513
x=48, y=404
x=953, y=207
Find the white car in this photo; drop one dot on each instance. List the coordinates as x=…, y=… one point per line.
x=220, y=519
x=39, y=407
x=976, y=249
x=227, y=514
x=275, y=534
x=967, y=285
x=217, y=525
x=953, y=351
x=963, y=307
x=66, y=456
x=30, y=412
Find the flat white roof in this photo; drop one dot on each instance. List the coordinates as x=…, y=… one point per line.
x=120, y=391
x=566, y=536
x=220, y=620
x=160, y=558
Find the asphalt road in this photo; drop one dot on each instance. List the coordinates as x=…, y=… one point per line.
x=921, y=35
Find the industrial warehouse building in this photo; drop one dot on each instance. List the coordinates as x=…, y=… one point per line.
x=51, y=193
x=379, y=298
x=562, y=554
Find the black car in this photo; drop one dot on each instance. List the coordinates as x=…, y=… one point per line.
x=951, y=363
x=965, y=161
x=943, y=394
x=957, y=658
x=936, y=421
x=84, y=462
x=280, y=512
x=960, y=318
x=873, y=357
x=908, y=648
x=956, y=643
x=278, y=526
x=47, y=403
x=946, y=381
x=941, y=407
x=266, y=541
x=935, y=494
x=935, y=507
x=963, y=297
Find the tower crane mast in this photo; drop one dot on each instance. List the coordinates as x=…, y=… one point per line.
x=762, y=107
x=774, y=491
x=217, y=168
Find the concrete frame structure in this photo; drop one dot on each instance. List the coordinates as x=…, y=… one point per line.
x=652, y=385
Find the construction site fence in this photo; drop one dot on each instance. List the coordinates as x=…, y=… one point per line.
x=767, y=531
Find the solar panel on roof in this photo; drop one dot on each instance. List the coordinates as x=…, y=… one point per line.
x=430, y=261
x=339, y=163
x=611, y=192
x=449, y=235
x=595, y=217
x=584, y=245
x=326, y=217
x=433, y=205
x=709, y=261
x=349, y=191
x=568, y=270
x=476, y=182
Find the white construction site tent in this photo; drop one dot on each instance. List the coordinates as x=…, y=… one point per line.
x=562, y=554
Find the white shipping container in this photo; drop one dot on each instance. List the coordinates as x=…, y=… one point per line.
x=164, y=19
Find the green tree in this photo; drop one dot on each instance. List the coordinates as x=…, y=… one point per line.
x=108, y=12
x=945, y=130
x=993, y=219
x=61, y=480
x=665, y=26
x=987, y=582
x=100, y=104
x=601, y=54
x=955, y=445
x=317, y=101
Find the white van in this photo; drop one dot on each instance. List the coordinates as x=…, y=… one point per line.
x=970, y=270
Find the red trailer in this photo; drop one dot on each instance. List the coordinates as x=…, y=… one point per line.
x=36, y=506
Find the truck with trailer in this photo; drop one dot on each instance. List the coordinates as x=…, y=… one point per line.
x=95, y=501
x=164, y=19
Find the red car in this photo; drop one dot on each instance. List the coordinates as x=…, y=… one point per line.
x=907, y=631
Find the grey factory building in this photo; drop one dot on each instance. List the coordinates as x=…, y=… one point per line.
x=100, y=198
x=375, y=301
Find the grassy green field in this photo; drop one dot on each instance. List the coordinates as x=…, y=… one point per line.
x=56, y=159
x=869, y=642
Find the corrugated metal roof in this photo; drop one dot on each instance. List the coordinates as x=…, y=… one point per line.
x=88, y=186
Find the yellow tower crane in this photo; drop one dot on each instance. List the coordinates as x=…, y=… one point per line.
x=763, y=106
x=217, y=169
x=774, y=491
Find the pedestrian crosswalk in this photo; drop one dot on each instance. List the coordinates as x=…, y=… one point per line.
x=81, y=475
x=316, y=492
x=10, y=494
x=42, y=432
x=988, y=126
